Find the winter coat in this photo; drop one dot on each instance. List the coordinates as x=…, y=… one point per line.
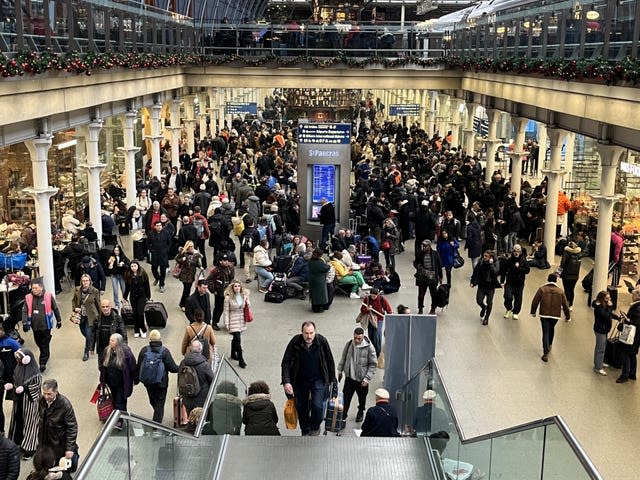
x=115, y=268
x=435, y=260
x=515, y=276
x=189, y=264
x=447, y=252
x=425, y=224
x=192, y=330
x=552, y=301
x=300, y=268
x=634, y=319
x=128, y=370
x=259, y=415
x=602, y=318
x=318, y=282
x=170, y=365
x=10, y=459
x=104, y=327
x=570, y=263
x=474, y=240
x=225, y=412
x=380, y=421
x=358, y=362
x=159, y=245
x=290, y=366
x=391, y=235
x=233, y=314
x=205, y=376
x=91, y=303
x=261, y=257
x=58, y=428
x=485, y=275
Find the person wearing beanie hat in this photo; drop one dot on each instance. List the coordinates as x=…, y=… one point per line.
x=430, y=418
x=570, y=265
x=552, y=301
x=148, y=356
x=381, y=420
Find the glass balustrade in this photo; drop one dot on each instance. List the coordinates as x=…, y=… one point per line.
x=540, y=450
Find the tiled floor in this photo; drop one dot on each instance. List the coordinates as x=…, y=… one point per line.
x=494, y=373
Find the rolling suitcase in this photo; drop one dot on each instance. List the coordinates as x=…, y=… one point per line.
x=140, y=249
x=155, y=314
x=126, y=312
x=441, y=299
x=180, y=417
x=334, y=417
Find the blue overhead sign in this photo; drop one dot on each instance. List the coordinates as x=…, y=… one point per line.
x=410, y=109
x=324, y=133
x=232, y=108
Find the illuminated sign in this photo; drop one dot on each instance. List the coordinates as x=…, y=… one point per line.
x=324, y=133
x=410, y=109
x=232, y=108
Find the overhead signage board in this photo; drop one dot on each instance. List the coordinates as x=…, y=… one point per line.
x=236, y=108
x=403, y=110
x=324, y=133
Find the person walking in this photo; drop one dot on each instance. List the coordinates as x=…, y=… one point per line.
x=198, y=362
x=138, y=292
x=428, y=275
x=377, y=305
x=149, y=356
x=235, y=302
x=259, y=414
x=358, y=364
x=447, y=248
x=8, y=349
x=86, y=309
x=118, y=370
x=189, y=260
x=516, y=271
x=307, y=370
x=39, y=310
x=327, y=218
x=109, y=322
x=218, y=280
x=159, y=241
x=318, y=286
x=381, y=420
x=570, y=270
x=199, y=300
x=57, y=427
x=203, y=332
x=602, y=314
x=485, y=277
x=27, y=379
x=552, y=302
x=473, y=244
x=629, y=353
x=117, y=266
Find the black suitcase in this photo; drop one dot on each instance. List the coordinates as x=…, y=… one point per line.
x=155, y=314
x=282, y=263
x=140, y=249
x=124, y=227
x=126, y=312
x=442, y=296
x=612, y=353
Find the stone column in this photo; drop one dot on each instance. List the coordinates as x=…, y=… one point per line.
x=542, y=143
x=220, y=105
x=155, y=137
x=41, y=193
x=456, y=121
x=190, y=123
x=175, y=130
x=519, y=124
x=213, y=122
x=609, y=158
x=469, y=132
x=202, y=102
x=129, y=150
x=433, y=95
x=443, y=114
x=91, y=134
x=570, y=143
x=554, y=174
x=423, y=109
x=491, y=143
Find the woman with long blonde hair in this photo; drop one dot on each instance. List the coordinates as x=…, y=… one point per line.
x=236, y=298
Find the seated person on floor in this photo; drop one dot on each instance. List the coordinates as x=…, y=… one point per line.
x=538, y=257
x=389, y=282
x=373, y=271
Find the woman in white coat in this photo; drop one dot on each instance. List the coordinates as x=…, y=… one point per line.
x=236, y=298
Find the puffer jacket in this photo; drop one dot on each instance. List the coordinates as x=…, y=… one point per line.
x=552, y=301
x=358, y=362
x=259, y=415
x=261, y=257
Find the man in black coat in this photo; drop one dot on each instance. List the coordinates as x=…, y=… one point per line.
x=485, y=277
x=382, y=419
x=199, y=300
x=516, y=270
x=9, y=459
x=425, y=221
x=327, y=219
x=159, y=241
x=92, y=268
x=187, y=232
x=308, y=369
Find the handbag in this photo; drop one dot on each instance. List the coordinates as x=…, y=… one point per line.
x=364, y=319
x=458, y=261
x=386, y=245
x=627, y=334
x=176, y=270
x=104, y=404
x=290, y=414
x=248, y=314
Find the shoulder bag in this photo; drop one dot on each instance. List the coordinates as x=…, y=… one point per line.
x=104, y=404
x=248, y=314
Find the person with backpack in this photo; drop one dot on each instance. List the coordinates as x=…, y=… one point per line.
x=236, y=300
x=155, y=362
x=570, y=270
x=249, y=239
x=202, y=229
x=220, y=227
x=203, y=332
x=194, y=377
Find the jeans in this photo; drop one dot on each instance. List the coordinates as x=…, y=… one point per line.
x=375, y=335
x=487, y=293
x=598, y=352
x=265, y=277
x=117, y=284
x=513, y=297
x=294, y=282
x=87, y=332
x=548, y=326
x=569, y=287
x=310, y=410
x=352, y=386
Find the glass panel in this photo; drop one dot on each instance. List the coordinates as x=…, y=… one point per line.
x=224, y=404
x=560, y=462
x=518, y=455
x=111, y=463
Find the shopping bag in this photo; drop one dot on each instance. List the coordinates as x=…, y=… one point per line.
x=248, y=314
x=104, y=404
x=290, y=414
x=96, y=395
x=628, y=334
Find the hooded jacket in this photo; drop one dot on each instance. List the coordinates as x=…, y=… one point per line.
x=552, y=301
x=358, y=362
x=259, y=415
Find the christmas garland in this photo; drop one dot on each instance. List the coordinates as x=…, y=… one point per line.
x=598, y=70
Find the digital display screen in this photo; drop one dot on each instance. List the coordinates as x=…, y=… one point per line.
x=324, y=183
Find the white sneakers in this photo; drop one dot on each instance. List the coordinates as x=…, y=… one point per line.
x=136, y=335
x=601, y=372
x=143, y=334
x=366, y=287
x=515, y=316
x=354, y=296
x=508, y=314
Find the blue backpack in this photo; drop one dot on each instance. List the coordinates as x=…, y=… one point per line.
x=152, y=368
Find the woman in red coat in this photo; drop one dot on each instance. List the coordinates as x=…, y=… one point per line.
x=378, y=306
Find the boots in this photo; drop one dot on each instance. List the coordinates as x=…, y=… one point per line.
x=234, y=348
x=241, y=362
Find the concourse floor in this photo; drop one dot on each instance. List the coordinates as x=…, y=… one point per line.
x=493, y=373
